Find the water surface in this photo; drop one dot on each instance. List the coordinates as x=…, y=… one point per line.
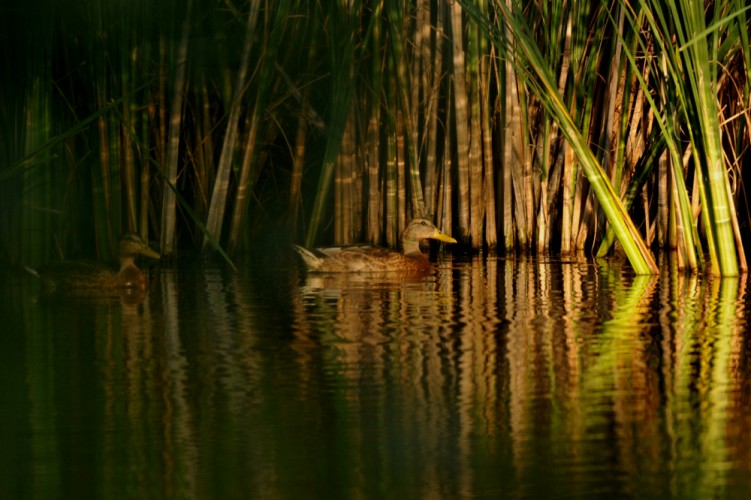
x=486, y=379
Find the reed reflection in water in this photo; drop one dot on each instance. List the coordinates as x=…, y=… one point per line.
x=488, y=378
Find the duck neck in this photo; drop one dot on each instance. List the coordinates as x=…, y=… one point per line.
x=127, y=261
x=411, y=248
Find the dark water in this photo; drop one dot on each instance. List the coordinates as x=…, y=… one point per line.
x=486, y=379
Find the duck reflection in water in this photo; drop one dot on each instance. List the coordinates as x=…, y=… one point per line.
x=371, y=259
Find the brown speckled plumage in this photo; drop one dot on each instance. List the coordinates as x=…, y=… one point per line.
x=366, y=258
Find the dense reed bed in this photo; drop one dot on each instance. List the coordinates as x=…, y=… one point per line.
x=546, y=127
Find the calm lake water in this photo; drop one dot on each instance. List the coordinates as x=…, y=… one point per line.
x=489, y=378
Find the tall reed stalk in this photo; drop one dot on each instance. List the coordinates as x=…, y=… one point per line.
x=220, y=192
x=170, y=168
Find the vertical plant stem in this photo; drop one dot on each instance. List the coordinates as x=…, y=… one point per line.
x=170, y=169
x=475, y=135
x=461, y=121
x=374, y=208
x=251, y=165
x=128, y=127
x=219, y=194
x=105, y=237
x=488, y=181
x=432, y=61
x=512, y=154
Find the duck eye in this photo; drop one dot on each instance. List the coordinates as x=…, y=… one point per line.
x=424, y=223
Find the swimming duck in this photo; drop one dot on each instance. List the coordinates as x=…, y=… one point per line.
x=76, y=275
x=366, y=258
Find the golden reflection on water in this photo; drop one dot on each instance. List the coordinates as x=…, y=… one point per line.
x=565, y=357
x=486, y=378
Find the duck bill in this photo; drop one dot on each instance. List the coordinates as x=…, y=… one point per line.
x=148, y=252
x=442, y=237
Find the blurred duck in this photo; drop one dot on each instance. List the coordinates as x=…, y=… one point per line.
x=77, y=275
x=365, y=258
